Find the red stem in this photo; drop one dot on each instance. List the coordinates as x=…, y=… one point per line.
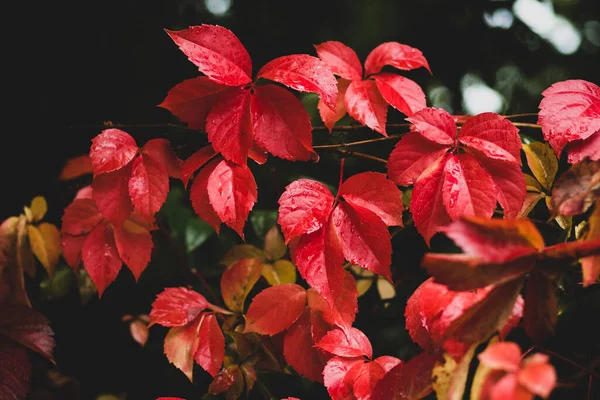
x=341, y=179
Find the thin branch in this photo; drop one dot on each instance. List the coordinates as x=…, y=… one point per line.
x=509, y=116
x=341, y=145
x=361, y=155
x=526, y=125
x=344, y=128
x=568, y=360
x=341, y=178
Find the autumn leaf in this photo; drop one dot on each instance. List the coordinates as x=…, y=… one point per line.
x=510, y=376
x=518, y=250
x=76, y=167
x=329, y=231
x=542, y=162
x=299, y=350
x=127, y=177
x=570, y=116
x=407, y=380
x=89, y=238
x=237, y=282
x=448, y=186
x=366, y=100
x=275, y=309
x=575, y=189
x=243, y=119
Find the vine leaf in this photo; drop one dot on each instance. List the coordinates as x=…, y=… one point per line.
x=448, y=186
x=366, y=100
x=570, y=117
x=322, y=231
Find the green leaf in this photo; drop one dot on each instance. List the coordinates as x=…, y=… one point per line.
x=196, y=233
x=59, y=286
x=262, y=221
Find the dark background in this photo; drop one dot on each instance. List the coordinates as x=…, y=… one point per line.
x=74, y=64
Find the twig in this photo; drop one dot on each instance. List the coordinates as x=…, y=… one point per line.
x=342, y=145
x=568, y=360
x=361, y=155
x=509, y=116
x=526, y=125
x=342, y=128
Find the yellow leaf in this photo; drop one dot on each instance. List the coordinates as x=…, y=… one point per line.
x=46, y=245
x=274, y=244
x=531, y=199
x=450, y=378
x=542, y=162
x=363, y=285
x=38, y=208
x=532, y=184
x=242, y=251
x=386, y=289
x=25, y=259
x=481, y=375
x=563, y=221
x=282, y=271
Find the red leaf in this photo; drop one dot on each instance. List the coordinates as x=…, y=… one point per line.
x=238, y=280
x=495, y=240
x=426, y=205
x=349, y=343
x=303, y=208
x=211, y=346
x=435, y=124
x=192, y=99
x=509, y=182
x=468, y=190
x=411, y=156
x=341, y=59
x=319, y=258
x=112, y=150
x=281, y=124
x=505, y=356
x=275, y=309
x=366, y=105
x=344, y=310
x=401, y=93
x=217, y=53
x=228, y=125
x=371, y=190
x=570, y=111
x=410, y=380
x=580, y=149
x=395, y=54
x=367, y=378
x=199, y=195
x=177, y=307
x=15, y=370
x=493, y=135
x=232, y=194
x=181, y=344
x=304, y=73
x=100, y=257
x=387, y=362
x=195, y=161
x=134, y=244
x=148, y=185
x=80, y=217
x=28, y=327
x=76, y=167
x=299, y=351
x=365, y=238
x=111, y=193
x=339, y=375
x=537, y=375
x=160, y=150
x=329, y=116
x=71, y=249
x=575, y=189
